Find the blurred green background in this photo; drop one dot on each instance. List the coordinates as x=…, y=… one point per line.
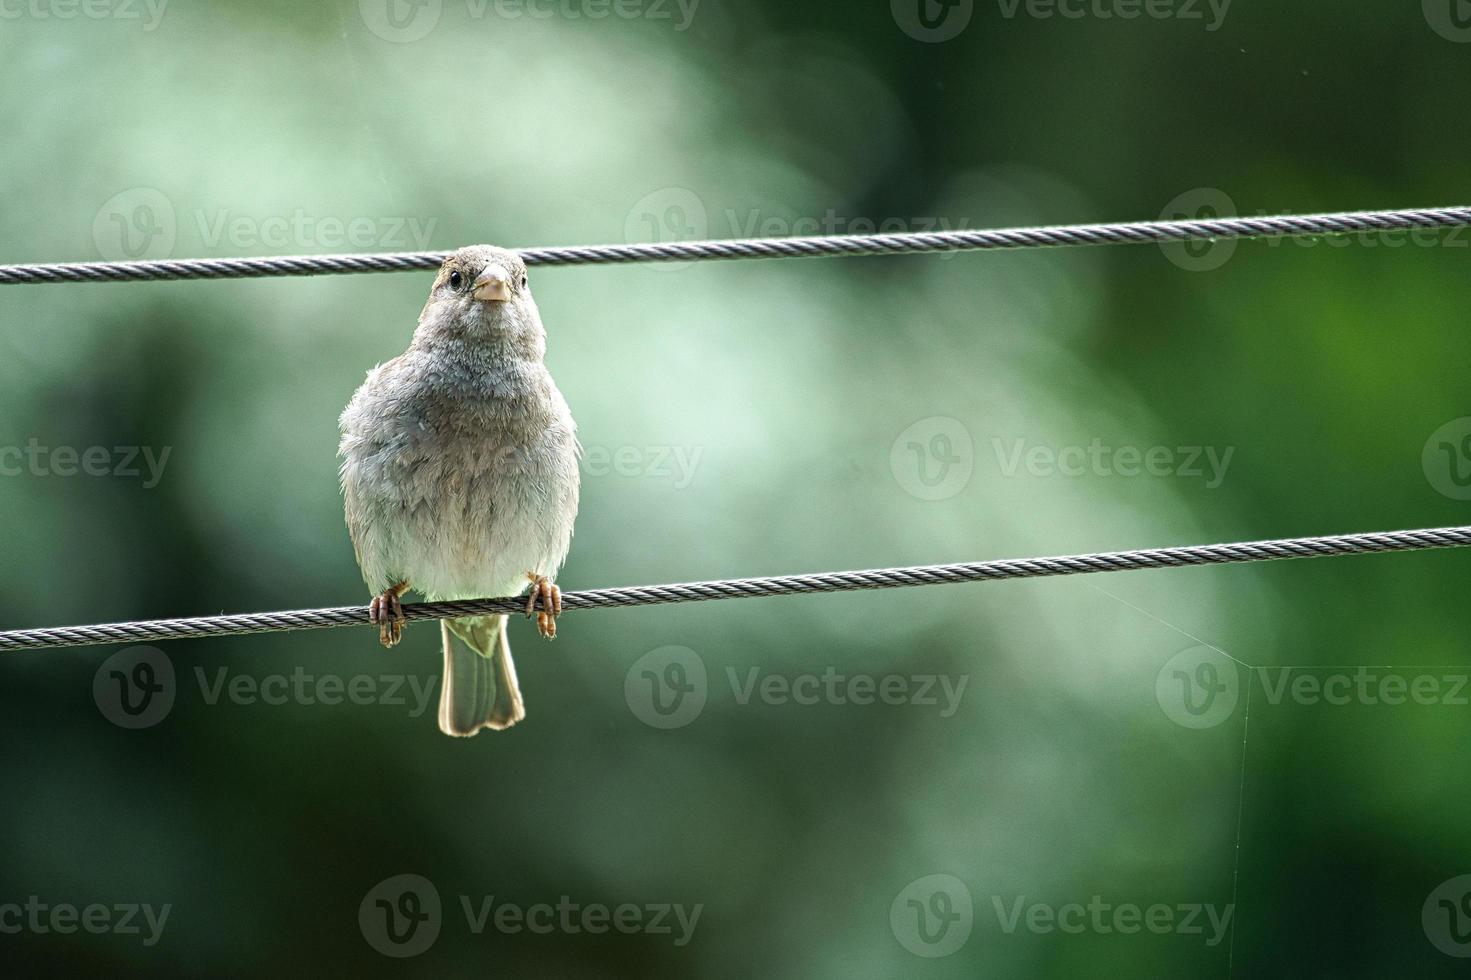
x=830, y=414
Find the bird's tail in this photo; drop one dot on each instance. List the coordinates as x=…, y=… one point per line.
x=479, y=688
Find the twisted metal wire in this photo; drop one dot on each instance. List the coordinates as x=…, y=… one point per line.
x=1059, y=236
x=652, y=595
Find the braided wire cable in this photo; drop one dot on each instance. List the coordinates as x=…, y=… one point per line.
x=1058, y=236
x=651, y=595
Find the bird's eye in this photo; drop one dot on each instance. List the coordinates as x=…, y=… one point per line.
x=523, y=282
x=456, y=280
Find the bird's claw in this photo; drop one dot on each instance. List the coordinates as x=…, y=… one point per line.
x=551, y=604
x=387, y=613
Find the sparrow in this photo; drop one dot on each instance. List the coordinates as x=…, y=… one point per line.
x=460, y=478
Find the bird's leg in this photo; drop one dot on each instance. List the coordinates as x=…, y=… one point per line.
x=387, y=613
x=551, y=604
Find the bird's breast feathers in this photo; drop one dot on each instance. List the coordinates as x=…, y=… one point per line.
x=459, y=489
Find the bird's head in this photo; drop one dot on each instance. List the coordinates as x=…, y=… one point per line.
x=482, y=294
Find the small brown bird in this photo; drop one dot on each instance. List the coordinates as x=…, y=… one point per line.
x=460, y=476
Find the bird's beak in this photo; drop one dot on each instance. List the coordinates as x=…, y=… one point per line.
x=493, y=287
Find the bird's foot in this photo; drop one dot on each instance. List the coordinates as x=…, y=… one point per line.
x=387, y=613
x=551, y=604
